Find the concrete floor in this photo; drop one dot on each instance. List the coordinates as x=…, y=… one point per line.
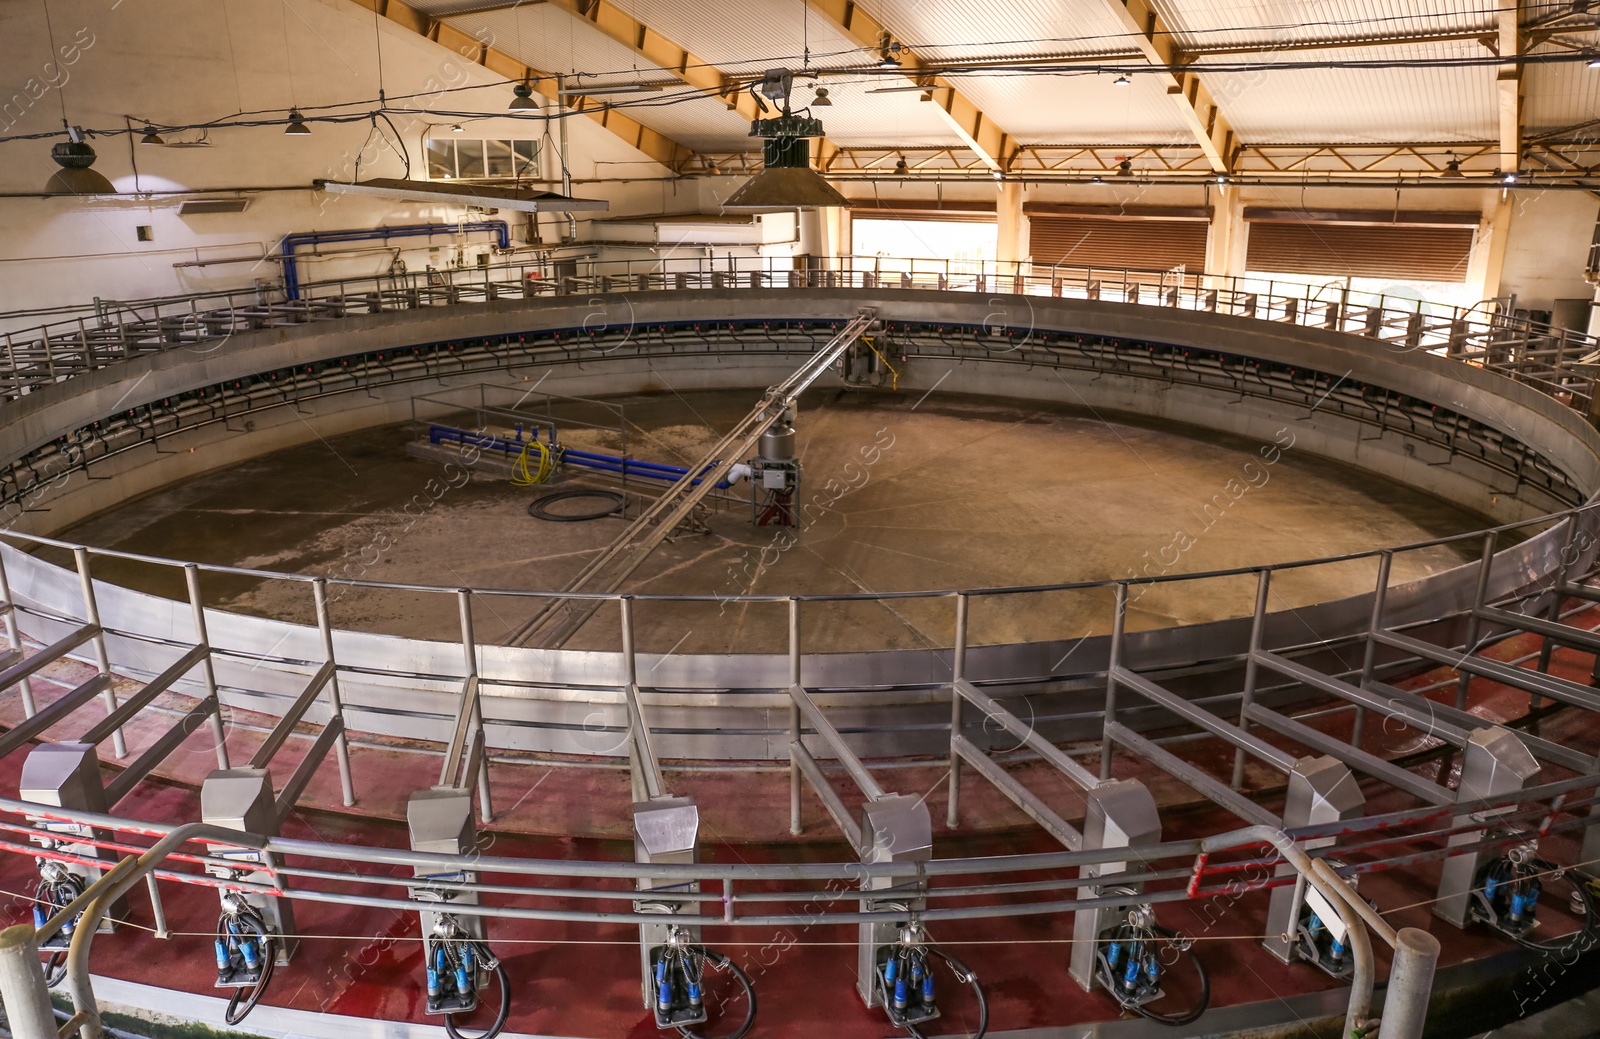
x=948, y=491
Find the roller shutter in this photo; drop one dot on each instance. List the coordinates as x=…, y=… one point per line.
x=1360, y=251
x=1081, y=241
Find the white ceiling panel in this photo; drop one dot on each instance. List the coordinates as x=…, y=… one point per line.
x=1344, y=105
x=778, y=35
x=1202, y=24
x=859, y=119
x=973, y=30
x=702, y=124
x=1077, y=109
x=549, y=39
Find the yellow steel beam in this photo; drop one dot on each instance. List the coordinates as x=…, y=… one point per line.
x=975, y=128
x=1195, y=104
x=1508, y=81
x=657, y=49
x=657, y=146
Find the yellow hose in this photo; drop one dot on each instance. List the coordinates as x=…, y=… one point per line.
x=522, y=475
x=895, y=384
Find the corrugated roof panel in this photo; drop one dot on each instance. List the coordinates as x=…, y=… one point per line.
x=776, y=36
x=859, y=119
x=1078, y=109
x=1556, y=96
x=1334, y=105
x=1201, y=24
x=549, y=39
x=962, y=30
x=703, y=124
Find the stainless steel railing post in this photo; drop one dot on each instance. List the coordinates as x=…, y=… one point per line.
x=14, y=638
x=958, y=673
x=1247, y=697
x=1485, y=567
x=341, y=747
x=1119, y=618
x=794, y=715
x=191, y=580
x=91, y=615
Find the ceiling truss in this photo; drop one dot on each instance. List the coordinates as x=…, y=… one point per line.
x=976, y=129
x=657, y=146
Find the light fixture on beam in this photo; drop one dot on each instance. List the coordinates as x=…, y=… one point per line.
x=524, y=200
x=522, y=99
x=1452, y=169
x=1594, y=60
x=150, y=136
x=297, y=126
x=821, y=100
x=900, y=167
x=1124, y=168
x=787, y=180
x=610, y=88
x=888, y=52
x=1122, y=81
x=456, y=128
x=75, y=156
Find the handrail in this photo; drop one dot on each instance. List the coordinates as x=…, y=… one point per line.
x=1477, y=535
x=55, y=350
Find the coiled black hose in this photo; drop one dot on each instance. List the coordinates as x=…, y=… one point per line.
x=1125, y=933
x=1583, y=939
x=962, y=974
x=539, y=508
x=719, y=962
x=244, y=926
x=482, y=952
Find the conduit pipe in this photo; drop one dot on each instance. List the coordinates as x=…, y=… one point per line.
x=291, y=242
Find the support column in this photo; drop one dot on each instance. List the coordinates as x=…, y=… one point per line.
x=813, y=233
x=894, y=828
x=1494, y=762
x=1012, y=225
x=22, y=989
x=1321, y=790
x=1228, y=235
x=1405, y=1006
x=1488, y=257
x=241, y=799
x=67, y=775
x=665, y=830
x=1120, y=814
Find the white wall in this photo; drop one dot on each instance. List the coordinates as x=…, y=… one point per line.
x=189, y=61
x=1547, y=247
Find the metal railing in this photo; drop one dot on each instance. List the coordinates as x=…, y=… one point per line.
x=106, y=333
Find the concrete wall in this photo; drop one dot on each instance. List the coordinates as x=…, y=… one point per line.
x=1547, y=247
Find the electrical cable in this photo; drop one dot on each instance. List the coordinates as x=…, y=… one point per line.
x=539, y=508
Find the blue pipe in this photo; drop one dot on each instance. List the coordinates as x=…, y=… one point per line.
x=291, y=242
x=584, y=459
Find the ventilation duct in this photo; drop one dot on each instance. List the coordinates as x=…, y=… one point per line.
x=210, y=206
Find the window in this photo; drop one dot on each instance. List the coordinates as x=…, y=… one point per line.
x=452, y=159
x=956, y=240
